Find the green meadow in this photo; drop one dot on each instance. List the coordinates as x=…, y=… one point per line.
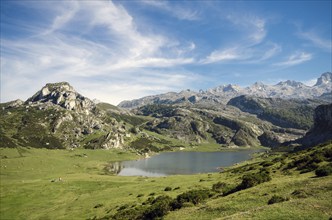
x=63, y=184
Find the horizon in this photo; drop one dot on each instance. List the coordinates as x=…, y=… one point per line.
x=312, y=83
x=123, y=50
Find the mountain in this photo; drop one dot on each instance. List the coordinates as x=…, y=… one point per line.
x=58, y=117
x=324, y=80
x=222, y=94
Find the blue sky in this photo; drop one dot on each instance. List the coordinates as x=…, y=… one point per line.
x=120, y=50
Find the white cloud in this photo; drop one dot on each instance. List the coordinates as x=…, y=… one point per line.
x=173, y=10
x=66, y=15
x=271, y=52
x=223, y=55
x=251, y=25
x=318, y=41
x=295, y=59
x=253, y=32
x=124, y=55
x=244, y=54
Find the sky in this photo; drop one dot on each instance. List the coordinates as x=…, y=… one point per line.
x=122, y=50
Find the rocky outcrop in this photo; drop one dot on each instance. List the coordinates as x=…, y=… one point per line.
x=64, y=95
x=322, y=130
x=59, y=117
x=323, y=118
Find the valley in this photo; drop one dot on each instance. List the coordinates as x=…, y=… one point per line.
x=72, y=184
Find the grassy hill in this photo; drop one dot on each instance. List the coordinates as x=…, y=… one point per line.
x=64, y=184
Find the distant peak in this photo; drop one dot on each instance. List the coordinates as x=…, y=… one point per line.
x=291, y=83
x=324, y=79
x=258, y=84
x=229, y=87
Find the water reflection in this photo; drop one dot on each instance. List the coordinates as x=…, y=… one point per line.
x=179, y=163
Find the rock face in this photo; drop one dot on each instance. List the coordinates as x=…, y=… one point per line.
x=322, y=130
x=64, y=95
x=324, y=80
x=222, y=94
x=323, y=118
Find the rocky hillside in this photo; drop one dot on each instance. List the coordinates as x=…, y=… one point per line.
x=59, y=117
x=287, y=113
x=228, y=126
x=222, y=94
x=322, y=130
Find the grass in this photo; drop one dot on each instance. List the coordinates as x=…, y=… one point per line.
x=31, y=189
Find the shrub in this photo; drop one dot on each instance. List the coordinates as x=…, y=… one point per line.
x=219, y=186
x=300, y=193
x=254, y=179
x=160, y=207
x=266, y=163
x=277, y=199
x=168, y=188
x=194, y=196
x=98, y=206
x=325, y=170
x=128, y=214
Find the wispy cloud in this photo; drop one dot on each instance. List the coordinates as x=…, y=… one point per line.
x=172, y=9
x=225, y=55
x=251, y=25
x=253, y=30
x=316, y=40
x=295, y=59
x=124, y=53
x=244, y=54
x=66, y=15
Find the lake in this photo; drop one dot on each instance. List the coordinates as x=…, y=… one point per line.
x=183, y=162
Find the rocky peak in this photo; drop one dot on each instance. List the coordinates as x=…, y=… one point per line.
x=324, y=79
x=257, y=86
x=291, y=83
x=64, y=95
x=227, y=88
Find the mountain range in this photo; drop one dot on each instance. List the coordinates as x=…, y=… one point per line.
x=228, y=116
x=222, y=94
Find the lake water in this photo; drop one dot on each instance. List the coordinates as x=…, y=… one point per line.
x=171, y=163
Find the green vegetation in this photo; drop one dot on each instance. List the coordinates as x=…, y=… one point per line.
x=299, y=117
x=324, y=170
x=284, y=113
x=158, y=110
x=277, y=199
x=64, y=184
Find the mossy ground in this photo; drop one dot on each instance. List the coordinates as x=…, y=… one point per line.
x=31, y=189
